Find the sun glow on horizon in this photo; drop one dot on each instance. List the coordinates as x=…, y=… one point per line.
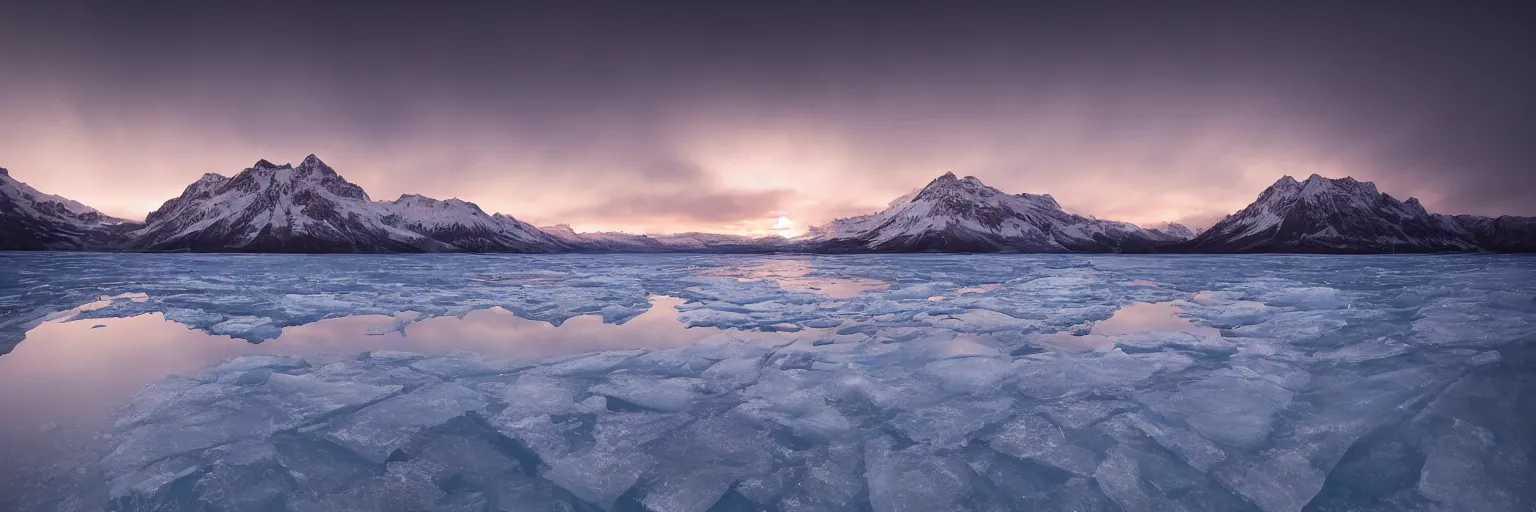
x=783, y=227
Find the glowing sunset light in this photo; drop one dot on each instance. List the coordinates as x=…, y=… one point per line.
x=643, y=120
x=782, y=226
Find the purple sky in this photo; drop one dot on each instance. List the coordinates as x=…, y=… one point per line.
x=669, y=116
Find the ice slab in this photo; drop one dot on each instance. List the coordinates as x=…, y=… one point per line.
x=1280, y=384
x=1032, y=437
x=1229, y=410
x=376, y=432
x=913, y=480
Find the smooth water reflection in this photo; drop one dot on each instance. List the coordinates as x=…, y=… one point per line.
x=796, y=275
x=1137, y=318
x=58, y=387
x=1148, y=317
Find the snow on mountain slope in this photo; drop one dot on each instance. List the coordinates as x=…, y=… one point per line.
x=310, y=208
x=678, y=242
x=953, y=214
x=464, y=225
x=1172, y=231
x=602, y=242
x=33, y=220
x=1332, y=215
x=1502, y=234
x=718, y=242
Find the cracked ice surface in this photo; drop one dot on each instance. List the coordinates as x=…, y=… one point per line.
x=1273, y=384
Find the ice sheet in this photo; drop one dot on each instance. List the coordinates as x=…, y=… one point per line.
x=1273, y=384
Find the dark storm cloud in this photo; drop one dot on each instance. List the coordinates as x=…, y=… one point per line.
x=1143, y=111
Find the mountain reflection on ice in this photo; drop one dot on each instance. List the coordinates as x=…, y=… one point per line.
x=113, y=358
x=58, y=386
x=1145, y=317
x=1138, y=318
x=942, y=382
x=800, y=276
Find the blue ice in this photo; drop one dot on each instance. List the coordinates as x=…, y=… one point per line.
x=865, y=383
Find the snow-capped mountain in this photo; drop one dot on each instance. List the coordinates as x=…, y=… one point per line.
x=1333, y=216
x=310, y=208
x=964, y=215
x=464, y=225
x=1501, y=234
x=33, y=220
x=1173, y=231
x=677, y=242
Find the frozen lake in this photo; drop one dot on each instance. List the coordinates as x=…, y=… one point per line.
x=700, y=382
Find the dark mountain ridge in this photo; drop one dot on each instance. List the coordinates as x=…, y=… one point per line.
x=1333, y=216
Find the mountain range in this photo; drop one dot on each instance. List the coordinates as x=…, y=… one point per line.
x=32, y=220
x=1322, y=215
x=954, y=214
x=310, y=208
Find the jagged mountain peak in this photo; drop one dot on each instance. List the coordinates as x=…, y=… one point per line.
x=1311, y=178
x=312, y=175
x=425, y=202
x=1285, y=185
x=949, y=178
x=264, y=164
x=1332, y=215
x=1317, y=187
x=964, y=214
x=1317, y=184
x=1316, y=181
x=1043, y=200
x=465, y=225
x=560, y=228
x=32, y=220
x=948, y=185
x=311, y=208
x=971, y=188
x=1174, y=230
x=312, y=164
x=23, y=191
x=413, y=198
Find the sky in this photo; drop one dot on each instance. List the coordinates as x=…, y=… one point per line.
x=657, y=116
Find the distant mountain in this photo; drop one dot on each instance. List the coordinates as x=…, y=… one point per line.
x=1502, y=234
x=679, y=242
x=312, y=209
x=465, y=226
x=953, y=214
x=32, y=220
x=1323, y=215
x=1173, y=231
